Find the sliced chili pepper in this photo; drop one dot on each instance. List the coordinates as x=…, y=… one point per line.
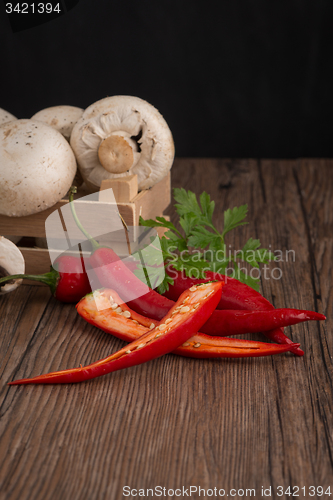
x=67, y=278
x=124, y=323
x=186, y=317
x=204, y=346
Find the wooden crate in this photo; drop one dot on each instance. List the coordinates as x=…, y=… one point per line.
x=131, y=205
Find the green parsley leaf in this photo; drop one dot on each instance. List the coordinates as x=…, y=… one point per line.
x=187, y=202
x=196, y=220
x=207, y=206
x=201, y=238
x=233, y=218
x=159, y=222
x=188, y=222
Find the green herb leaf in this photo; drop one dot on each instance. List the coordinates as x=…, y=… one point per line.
x=233, y=218
x=187, y=202
x=201, y=238
x=193, y=265
x=196, y=220
x=207, y=206
x=164, y=286
x=188, y=222
x=159, y=222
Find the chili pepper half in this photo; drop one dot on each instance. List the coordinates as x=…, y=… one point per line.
x=67, y=278
x=115, y=317
x=186, y=317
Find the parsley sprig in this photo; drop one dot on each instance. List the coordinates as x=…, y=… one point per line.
x=200, y=246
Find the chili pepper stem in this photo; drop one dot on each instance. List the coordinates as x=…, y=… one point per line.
x=50, y=278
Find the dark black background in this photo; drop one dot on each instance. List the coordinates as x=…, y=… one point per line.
x=247, y=78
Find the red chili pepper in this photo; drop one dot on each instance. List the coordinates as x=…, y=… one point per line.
x=113, y=273
x=67, y=279
x=186, y=317
x=236, y=295
x=115, y=317
x=240, y=322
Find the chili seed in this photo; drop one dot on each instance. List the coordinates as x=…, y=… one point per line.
x=162, y=326
x=140, y=345
x=167, y=321
x=152, y=326
x=119, y=310
x=197, y=344
x=184, y=309
x=136, y=322
x=193, y=288
x=186, y=344
x=128, y=352
x=114, y=305
x=158, y=335
x=127, y=314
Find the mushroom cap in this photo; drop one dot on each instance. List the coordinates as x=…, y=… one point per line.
x=145, y=132
x=6, y=117
x=37, y=167
x=62, y=118
x=12, y=261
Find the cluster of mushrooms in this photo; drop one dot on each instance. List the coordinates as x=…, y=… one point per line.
x=114, y=137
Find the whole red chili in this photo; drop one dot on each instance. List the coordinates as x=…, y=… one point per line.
x=113, y=316
x=184, y=319
x=236, y=295
x=67, y=279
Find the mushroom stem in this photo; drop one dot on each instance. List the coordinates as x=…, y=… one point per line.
x=117, y=153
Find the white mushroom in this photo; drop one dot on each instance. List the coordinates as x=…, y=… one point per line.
x=119, y=136
x=6, y=117
x=62, y=118
x=37, y=167
x=11, y=262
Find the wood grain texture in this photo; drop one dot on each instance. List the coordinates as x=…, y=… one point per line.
x=179, y=422
x=124, y=188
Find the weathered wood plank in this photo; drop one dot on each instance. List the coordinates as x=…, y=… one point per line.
x=302, y=390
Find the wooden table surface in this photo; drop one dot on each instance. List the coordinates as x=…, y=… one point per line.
x=177, y=422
